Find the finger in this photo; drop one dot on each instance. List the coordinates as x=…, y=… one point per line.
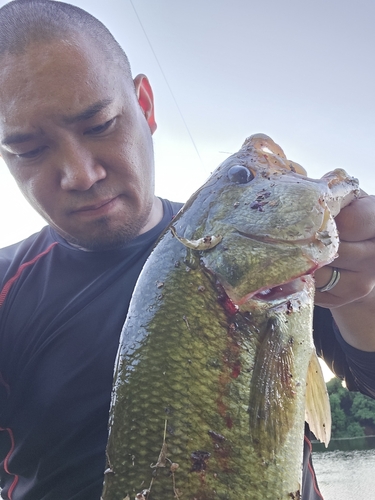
x=359, y=256
x=356, y=222
x=322, y=276
x=350, y=287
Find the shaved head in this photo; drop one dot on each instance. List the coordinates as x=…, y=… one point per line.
x=26, y=22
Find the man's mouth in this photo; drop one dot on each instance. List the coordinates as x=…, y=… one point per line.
x=98, y=208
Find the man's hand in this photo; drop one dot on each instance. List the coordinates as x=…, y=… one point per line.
x=352, y=300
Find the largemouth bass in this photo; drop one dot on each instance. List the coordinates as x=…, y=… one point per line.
x=212, y=376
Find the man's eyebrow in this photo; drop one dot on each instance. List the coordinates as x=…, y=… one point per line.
x=16, y=139
x=88, y=112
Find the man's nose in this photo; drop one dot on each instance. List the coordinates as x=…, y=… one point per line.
x=79, y=170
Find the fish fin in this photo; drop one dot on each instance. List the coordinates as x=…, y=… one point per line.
x=272, y=391
x=205, y=243
x=318, y=410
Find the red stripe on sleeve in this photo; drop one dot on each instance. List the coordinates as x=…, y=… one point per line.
x=6, y=462
x=312, y=472
x=9, y=283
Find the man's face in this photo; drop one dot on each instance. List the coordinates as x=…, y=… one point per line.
x=77, y=142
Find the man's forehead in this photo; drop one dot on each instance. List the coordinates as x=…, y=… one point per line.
x=68, y=79
x=59, y=56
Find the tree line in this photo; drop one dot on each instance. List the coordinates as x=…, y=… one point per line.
x=353, y=413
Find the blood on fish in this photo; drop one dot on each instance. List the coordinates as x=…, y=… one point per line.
x=222, y=450
x=199, y=459
x=229, y=306
x=236, y=370
x=216, y=436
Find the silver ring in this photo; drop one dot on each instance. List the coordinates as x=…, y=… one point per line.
x=332, y=282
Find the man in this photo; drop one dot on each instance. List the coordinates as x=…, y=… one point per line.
x=75, y=132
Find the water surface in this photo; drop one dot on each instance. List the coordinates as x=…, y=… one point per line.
x=346, y=475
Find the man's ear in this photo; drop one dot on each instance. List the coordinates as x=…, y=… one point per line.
x=146, y=99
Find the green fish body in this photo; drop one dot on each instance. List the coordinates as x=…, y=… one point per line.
x=211, y=381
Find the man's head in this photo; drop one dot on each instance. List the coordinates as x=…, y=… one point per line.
x=23, y=22
x=75, y=130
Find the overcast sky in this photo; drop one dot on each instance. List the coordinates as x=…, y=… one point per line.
x=300, y=71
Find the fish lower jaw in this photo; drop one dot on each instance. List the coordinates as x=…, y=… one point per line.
x=278, y=294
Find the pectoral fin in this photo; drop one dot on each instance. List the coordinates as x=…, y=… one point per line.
x=318, y=409
x=272, y=391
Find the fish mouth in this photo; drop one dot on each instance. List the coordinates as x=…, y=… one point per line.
x=280, y=292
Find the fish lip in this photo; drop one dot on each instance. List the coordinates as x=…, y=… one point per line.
x=270, y=240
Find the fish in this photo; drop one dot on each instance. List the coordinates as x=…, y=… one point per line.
x=216, y=370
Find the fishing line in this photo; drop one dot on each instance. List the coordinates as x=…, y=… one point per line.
x=166, y=81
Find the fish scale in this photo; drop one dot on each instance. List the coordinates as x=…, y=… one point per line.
x=210, y=380
x=177, y=375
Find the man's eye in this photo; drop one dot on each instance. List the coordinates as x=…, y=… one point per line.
x=100, y=128
x=34, y=153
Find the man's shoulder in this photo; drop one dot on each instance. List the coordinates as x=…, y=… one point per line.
x=175, y=205
x=25, y=250
x=171, y=208
x=41, y=238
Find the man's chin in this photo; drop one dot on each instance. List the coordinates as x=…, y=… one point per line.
x=103, y=241
x=105, y=233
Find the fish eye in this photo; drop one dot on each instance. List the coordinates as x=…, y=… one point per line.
x=240, y=174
